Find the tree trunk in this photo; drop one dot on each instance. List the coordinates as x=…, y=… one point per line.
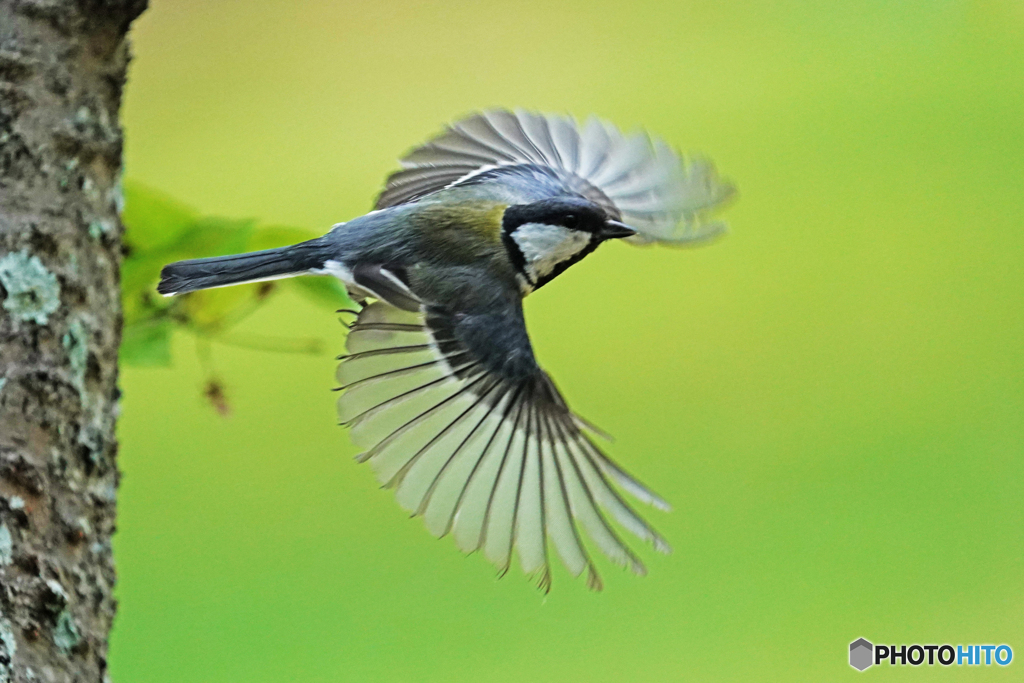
x=62, y=68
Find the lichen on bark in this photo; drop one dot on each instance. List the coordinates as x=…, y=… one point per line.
x=32, y=291
x=62, y=70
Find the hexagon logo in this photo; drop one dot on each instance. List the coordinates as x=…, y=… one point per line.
x=861, y=654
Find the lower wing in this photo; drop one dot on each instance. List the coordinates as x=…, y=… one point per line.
x=498, y=461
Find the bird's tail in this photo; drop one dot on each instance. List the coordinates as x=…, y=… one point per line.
x=236, y=269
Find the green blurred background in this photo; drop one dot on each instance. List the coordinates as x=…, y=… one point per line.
x=831, y=397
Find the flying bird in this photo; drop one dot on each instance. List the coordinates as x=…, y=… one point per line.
x=440, y=384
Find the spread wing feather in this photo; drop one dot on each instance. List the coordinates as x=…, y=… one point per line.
x=498, y=462
x=666, y=197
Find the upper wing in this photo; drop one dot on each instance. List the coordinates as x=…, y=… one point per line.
x=640, y=180
x=482, y=445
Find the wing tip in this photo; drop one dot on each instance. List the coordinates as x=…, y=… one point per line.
x=594, y=581
x=586, y=424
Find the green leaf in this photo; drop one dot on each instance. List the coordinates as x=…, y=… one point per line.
x=140, y=272
x=271, y=236
x=212, y=237
x=321, y=290
x=213, y=310
x=151, y=218
x=160, y=231
x=147, y=343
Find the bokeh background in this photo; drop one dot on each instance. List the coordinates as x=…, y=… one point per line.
x=831, y=397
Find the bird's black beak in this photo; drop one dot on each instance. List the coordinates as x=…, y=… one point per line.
x=616, y=230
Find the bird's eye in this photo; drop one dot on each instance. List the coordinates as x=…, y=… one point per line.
x=571, y=221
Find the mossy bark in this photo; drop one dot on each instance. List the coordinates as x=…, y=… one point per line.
x=62, y=69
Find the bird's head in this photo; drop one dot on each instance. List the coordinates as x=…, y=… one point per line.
x=546, y=237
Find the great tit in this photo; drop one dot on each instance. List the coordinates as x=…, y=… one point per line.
x=440, y=385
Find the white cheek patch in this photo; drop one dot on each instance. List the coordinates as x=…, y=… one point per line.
x=545, y=246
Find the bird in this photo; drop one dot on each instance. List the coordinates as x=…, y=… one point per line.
x=440, y=387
